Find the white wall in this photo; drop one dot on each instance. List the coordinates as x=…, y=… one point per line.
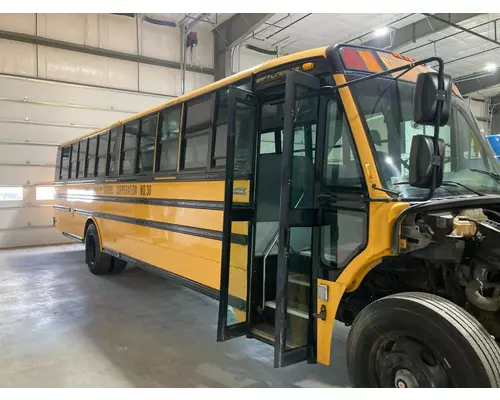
x=244, y=58
x=478, y=105
x=111, y=32
x=38, y=111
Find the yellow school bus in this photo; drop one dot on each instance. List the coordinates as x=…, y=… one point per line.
x=340, y=183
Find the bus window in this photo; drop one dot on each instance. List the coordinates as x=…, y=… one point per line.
x=147, y=144
x=82, y=156
x=129, y=148
x=74, y=158
x=103, y=154
x=342, y=166
x=168, y=139
x=268, y=143
x=196, y=133
x=219, y=152
x=64, y=163
x=57, y=173
x=115, y=138
x=91, y=157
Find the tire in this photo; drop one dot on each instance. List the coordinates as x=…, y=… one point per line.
x=420, y=340
x=117, y=265
x=99, y=263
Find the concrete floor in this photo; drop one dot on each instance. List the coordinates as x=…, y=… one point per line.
x=60, y=326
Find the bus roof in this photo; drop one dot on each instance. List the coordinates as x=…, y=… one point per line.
x=276, y=62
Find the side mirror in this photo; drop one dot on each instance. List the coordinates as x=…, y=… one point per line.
x=427, y=96
x=421, y=161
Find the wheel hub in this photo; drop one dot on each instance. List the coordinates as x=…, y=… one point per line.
x=405, y=379
x=406, y=363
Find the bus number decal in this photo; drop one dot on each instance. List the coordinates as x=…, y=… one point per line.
x=145, y=190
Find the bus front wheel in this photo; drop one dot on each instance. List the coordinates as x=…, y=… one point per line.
x=420, y=340
x=100, y=263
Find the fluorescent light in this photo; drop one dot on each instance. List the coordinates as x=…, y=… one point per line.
x=491, y=67
x=381, y=31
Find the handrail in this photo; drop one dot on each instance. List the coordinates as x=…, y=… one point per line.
x=266, y=254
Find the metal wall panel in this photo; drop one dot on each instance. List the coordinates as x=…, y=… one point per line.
x=17, y=58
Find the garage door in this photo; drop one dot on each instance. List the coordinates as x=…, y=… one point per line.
x=35, y=117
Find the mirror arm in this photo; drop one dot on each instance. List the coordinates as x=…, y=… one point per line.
x=440, y=97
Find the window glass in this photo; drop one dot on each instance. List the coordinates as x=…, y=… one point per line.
x=244, y=138
x=57, y=172
x=11, y=193
x=129, y=148
x=343, y=234
x=147, y=144
x=342, y=165
x=219, y=156
x=267, y=143
x=74, y=161
x=103, y=154
x=82, y=155
x=168, y=139
x=91, y=157
x=65, y=163
x=115, y=139
x=45, y=193
x=302, y=185
x=197, y=131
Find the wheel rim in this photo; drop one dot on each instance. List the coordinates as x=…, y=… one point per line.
x=91, y=249
x=404, y=362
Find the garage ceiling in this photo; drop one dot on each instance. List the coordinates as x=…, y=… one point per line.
x=466, y=55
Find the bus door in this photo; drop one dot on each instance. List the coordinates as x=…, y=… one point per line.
x=294, y=340
x=238, y=222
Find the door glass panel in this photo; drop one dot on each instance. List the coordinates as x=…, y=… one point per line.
x=237, y=304
x=298, y=286
x=306, y=115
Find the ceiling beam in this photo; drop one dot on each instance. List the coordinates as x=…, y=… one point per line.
x=418, y=30
x=231, y=33
x=478, y=81
x=97, y=51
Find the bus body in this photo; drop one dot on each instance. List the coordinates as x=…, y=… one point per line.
x=287, y=200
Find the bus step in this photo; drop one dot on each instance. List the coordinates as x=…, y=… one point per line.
x=296, y=310
x=298, y=279
x=265, y=332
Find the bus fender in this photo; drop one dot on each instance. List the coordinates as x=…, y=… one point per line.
x=329, y=302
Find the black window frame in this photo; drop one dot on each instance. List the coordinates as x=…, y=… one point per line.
x=80, y=172
x=61, y=177
x=118, y=130
x=105, y=156
x=93, y=174
x=184, y=137
x=57, y=172
x=70, y=170
x=179, y=110
x=122, y=149
x=140, y=146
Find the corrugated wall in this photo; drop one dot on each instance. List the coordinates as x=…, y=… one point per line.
x=50, y=95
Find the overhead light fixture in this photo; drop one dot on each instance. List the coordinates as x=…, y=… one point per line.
x=490, y=67
x=381, y=31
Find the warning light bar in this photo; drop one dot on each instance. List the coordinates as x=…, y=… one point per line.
x=379, y=61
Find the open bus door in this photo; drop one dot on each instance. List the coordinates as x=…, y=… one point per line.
x=238, y=213
x=296, y=271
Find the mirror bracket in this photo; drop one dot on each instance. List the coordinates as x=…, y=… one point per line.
x=441, y=95
x=437, y=160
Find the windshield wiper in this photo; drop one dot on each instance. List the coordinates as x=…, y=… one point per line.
x=490, y=174
x=464, y=186
x=451, y=183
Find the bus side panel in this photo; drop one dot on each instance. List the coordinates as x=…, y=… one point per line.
x=121, y=212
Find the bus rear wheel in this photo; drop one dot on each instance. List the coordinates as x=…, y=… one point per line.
x=100, y=263
x=420, y=340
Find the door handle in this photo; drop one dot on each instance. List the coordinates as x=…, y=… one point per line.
x=322, y=313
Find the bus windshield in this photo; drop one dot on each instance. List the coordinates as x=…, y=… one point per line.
x=469, y=163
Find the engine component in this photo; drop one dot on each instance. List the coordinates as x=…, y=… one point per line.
x=477, y=286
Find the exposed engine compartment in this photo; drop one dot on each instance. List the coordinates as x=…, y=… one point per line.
x=455, y=254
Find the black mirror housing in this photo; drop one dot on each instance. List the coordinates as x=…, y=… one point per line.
x=427, y=96
x=421, y=161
